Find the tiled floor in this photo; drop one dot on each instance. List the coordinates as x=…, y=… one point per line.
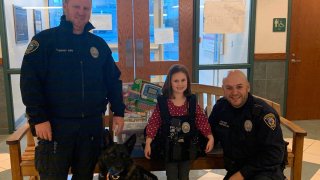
x=310, y=169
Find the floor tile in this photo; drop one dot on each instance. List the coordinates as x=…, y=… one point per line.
x=316, y=176
x=5, y=164
x=314, y=148
x=309, y=170
x=211, y=176
x=4, y=156
x=311, y=158
x=306, y=144
x=308, y=141
x=2, y=169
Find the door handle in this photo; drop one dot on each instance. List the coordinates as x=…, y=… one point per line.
x=129, y=53
x=139, y=53
x=295, y=60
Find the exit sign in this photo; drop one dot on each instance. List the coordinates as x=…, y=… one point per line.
x=279, y=24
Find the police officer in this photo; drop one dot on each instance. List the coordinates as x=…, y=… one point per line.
x=68, y=76
x=249, y=132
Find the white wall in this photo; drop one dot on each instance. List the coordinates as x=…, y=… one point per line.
x=16, y=51
x=266, y=40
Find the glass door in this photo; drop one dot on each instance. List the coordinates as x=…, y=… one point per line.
x=161, y=35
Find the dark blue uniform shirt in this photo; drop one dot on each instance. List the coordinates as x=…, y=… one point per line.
x=250, y=136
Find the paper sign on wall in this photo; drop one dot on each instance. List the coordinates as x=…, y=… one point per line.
x=224, y=16
x=163, y=35
x=101, y=21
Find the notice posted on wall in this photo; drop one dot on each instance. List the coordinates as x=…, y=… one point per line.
x=224, y=16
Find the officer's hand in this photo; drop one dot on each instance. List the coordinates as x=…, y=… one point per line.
x=117, y=124
x=210, y=143
x=237, y=176
x=43, y=131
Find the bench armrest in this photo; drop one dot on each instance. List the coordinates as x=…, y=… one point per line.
x=293, y=127
x=16, y=137
x=14, y=142
x=297, y=146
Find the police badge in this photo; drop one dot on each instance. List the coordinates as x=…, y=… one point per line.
x=248, y=125
x=94, y=52
x=185, y=127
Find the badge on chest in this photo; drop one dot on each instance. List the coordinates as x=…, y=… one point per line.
x=247, y=125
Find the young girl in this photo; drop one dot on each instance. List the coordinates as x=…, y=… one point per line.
x=180, y=127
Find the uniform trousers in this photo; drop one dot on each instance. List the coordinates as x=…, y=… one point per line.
x=76, y=143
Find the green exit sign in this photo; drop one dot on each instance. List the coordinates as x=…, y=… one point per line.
x=279, y=24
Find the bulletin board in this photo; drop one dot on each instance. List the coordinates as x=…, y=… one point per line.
x=20, y=24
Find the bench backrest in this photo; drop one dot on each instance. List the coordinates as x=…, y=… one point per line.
x=207, y=94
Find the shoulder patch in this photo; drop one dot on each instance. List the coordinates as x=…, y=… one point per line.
x=33, y=45
x=270, y=120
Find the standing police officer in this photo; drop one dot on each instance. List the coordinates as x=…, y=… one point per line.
x=68, y=76
x=249, y=132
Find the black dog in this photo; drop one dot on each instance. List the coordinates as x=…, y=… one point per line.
x=116, y=163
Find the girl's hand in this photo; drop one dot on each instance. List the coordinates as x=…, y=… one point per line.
x=210, y=143
x=147, y=148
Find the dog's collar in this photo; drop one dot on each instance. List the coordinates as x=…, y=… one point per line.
x=131, y=170
x=114, y=177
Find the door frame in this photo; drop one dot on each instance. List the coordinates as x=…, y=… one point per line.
x=7, y=72
x=284, y=109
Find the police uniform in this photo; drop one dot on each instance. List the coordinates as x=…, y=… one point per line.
x=69, y=79
x=251, y=138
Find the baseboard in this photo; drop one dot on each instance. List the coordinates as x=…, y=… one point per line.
x=270, y=56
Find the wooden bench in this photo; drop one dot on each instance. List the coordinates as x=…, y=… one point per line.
x=22, y=162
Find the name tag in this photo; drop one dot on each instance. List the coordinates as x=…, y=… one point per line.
x=64, y=50
x=223, y=123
